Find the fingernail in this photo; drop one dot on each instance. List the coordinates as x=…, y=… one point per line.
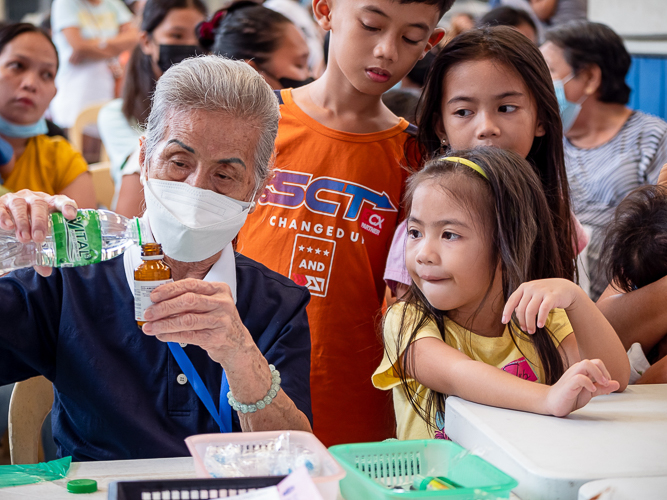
x=38, y=235
x=147, y=326
x=503, y=319
x=148, y=314
x=25, y=235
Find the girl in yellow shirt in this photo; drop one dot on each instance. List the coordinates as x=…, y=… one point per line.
x=28, y=65
x=489, y=316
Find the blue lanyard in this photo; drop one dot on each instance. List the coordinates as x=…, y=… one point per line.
x=223, y=417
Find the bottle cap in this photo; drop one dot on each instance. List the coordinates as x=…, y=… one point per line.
x=151, y=251
x=82, y=486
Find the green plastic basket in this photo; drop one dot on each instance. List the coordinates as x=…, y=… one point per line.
x=374, y=469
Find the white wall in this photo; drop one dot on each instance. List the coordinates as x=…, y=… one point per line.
x=642, y=23
x=631, y=17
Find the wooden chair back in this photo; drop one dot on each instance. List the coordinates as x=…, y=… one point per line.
x=88, y=116
x=103, y=183
x=29, y=405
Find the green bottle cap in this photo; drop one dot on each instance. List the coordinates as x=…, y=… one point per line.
x=82, y=486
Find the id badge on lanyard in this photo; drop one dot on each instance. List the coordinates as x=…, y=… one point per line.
x=223, y=416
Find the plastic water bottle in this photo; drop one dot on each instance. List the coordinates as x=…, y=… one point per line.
x=94, y=236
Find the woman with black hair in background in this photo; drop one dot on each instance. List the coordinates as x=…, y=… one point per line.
x=167, y=37
x=610, y=149
x=265, y=39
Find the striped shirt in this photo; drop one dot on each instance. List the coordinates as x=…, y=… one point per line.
x=601, y=177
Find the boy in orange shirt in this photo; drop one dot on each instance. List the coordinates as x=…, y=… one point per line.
x=328, y=216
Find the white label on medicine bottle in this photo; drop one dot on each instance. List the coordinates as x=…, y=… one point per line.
x=142, y=296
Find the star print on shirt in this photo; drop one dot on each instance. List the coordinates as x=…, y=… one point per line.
x=312, y=261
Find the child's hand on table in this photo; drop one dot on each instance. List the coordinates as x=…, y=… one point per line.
x=581, y=382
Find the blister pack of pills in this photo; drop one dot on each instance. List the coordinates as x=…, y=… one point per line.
x=275, y=457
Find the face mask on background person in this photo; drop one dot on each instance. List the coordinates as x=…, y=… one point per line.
x=295, y=84
x=192, y=224
x=10, y=129
x=173, y=54
x=569, y=111
x=287, y=83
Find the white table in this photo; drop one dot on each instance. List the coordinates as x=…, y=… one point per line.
x=104, y=473
x=644, y=488
x=620, y=435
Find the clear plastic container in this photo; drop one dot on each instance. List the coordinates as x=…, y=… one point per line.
x=331, y=471
x=385, y=470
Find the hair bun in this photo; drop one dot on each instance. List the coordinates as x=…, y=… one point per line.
x=206, y=29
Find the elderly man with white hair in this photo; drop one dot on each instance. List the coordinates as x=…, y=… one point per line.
x=226, y=326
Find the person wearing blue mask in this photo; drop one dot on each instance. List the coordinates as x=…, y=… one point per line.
x=167, y=37
x=610, y=149
x=31, y=159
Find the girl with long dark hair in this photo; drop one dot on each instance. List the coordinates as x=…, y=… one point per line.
x=491, y=87
x=490, y=298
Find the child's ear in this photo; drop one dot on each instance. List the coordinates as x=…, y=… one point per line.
x=440, y=130
x=539, y=130
x=322, y=13
x=433, y=40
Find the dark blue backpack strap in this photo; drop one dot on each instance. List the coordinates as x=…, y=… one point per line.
x=412, y=130
x=280, y=97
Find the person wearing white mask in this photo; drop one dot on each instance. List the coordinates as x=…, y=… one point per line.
x=219, y=340
x=610, y=149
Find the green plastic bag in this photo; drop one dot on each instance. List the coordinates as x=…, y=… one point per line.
x=17, y=475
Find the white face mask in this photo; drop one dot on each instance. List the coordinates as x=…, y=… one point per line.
x=192, y=224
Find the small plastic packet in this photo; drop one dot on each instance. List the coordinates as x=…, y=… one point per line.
x=275, y=457
x=17, y=475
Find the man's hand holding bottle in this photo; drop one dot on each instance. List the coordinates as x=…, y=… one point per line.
x=27, y=213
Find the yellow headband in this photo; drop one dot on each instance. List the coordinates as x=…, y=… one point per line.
x=467, y=163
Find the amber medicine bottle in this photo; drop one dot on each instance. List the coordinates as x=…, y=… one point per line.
x=150, y=274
